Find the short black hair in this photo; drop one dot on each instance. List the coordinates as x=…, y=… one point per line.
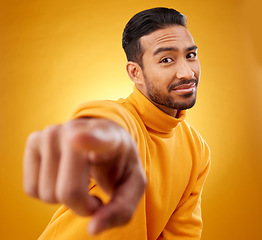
x=144, y=23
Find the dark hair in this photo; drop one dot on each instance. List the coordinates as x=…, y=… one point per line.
x=144, y=23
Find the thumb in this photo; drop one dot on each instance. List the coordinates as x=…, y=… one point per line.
x=110, y=215
x=123, y=203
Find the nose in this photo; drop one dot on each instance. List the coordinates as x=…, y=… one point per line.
x=184, y=71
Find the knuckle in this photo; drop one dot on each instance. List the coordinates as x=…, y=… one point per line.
x=31, y=191
x=47, y=196
x=75, y=133
x=73, y=125
x=51, y=132
x=32, y=139
x=68, y=195
x=70, y=130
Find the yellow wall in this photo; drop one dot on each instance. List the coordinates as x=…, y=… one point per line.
x=56, y=54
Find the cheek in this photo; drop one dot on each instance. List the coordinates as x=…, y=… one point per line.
x=153, y=74
x=195, y=66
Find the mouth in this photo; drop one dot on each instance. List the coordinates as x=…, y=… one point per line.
x=185, y=88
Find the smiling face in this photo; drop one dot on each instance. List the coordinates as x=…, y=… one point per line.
x=171, y=70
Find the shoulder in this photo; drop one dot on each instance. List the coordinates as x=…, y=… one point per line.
x=97, y=108
x=115, y=111
x=192, y=133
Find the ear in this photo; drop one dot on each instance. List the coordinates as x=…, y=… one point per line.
x=135, y=72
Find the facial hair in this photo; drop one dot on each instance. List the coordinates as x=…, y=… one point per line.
x=167, y=100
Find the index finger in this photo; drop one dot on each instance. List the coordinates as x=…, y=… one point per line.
x=123, y=203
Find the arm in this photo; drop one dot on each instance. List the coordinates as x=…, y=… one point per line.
x=59, y=160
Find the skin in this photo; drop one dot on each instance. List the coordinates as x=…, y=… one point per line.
x=59, y=160
x=171, y=69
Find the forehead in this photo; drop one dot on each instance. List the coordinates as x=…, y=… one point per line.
x=173, y=36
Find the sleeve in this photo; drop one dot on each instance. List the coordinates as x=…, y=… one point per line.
x=186, y=222
x=110, y=110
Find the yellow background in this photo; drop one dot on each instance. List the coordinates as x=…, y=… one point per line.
x=55, y=55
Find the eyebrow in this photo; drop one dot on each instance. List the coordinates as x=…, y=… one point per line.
x=166, y=49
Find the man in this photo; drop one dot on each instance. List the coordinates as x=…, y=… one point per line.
x=132, y=168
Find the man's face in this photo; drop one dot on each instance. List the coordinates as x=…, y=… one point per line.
x=171, y=69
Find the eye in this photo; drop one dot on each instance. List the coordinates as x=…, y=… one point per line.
x=166, y=60
x=191, y=55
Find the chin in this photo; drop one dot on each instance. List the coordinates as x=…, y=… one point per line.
x=184, y=105
x=179, y=103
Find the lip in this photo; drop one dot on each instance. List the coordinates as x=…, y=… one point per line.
x=185, y=88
